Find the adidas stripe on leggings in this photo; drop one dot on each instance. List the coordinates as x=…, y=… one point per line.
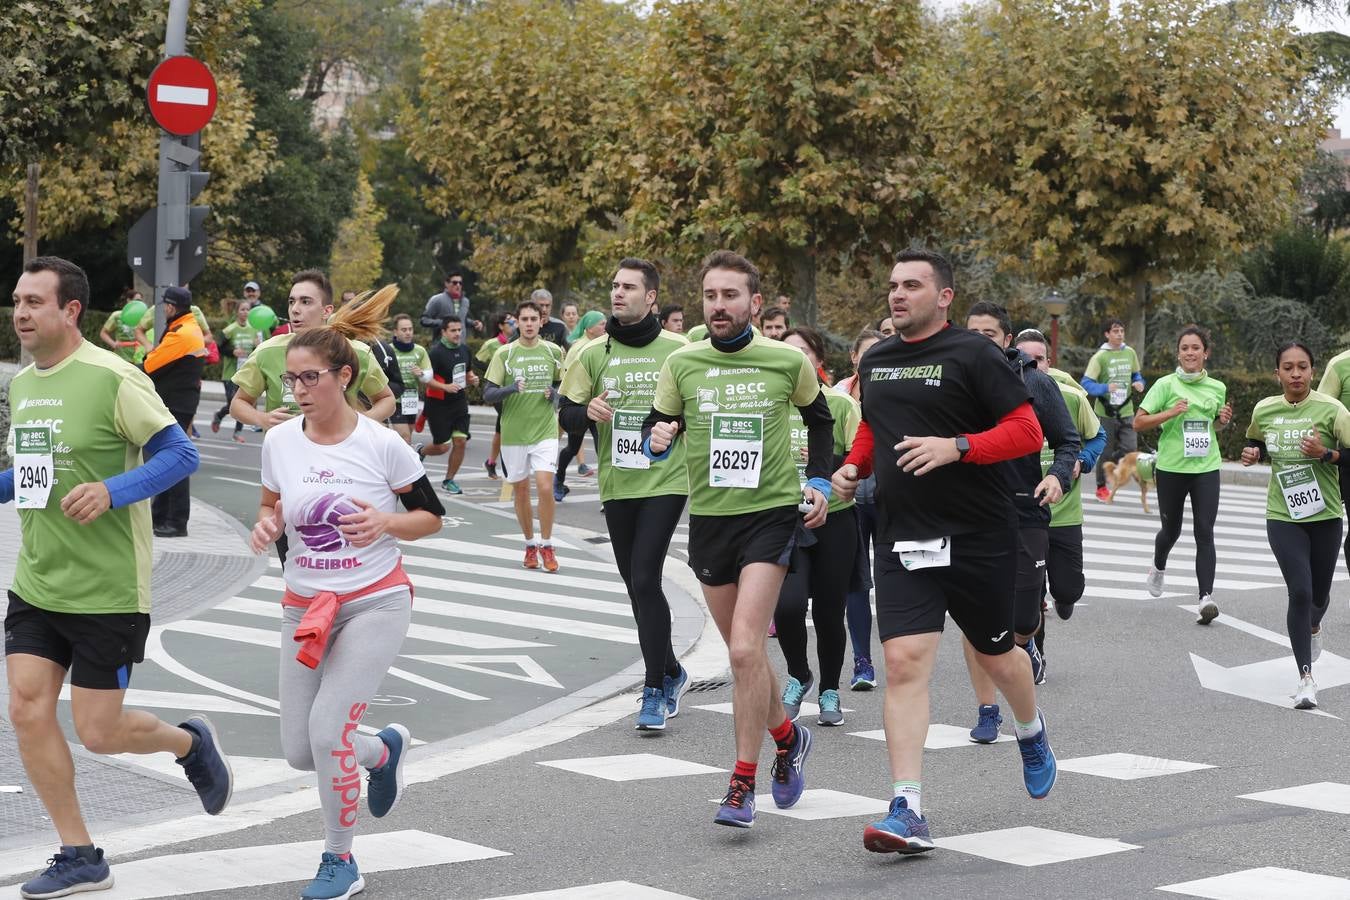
x=821, y=572
x=321, y=708
x=1306, y=552
x=1203, y=488
x=640, y=531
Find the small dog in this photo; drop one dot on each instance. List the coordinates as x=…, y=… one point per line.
x=1134, y=465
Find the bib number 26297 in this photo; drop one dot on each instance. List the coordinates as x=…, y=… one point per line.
x=735, y=451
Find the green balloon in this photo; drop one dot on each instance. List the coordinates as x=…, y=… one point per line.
x=133, y=312
x=262, y=318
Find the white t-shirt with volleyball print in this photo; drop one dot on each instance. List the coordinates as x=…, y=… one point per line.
x=318, y=484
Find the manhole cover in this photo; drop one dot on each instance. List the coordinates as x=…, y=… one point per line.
x=706, y=687
x=598, y=539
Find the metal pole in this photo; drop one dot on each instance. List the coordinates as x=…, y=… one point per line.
x=1054, y=341
x=166, y=249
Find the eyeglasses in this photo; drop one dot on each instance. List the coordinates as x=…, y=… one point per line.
x=456, y=282
x=309, y=377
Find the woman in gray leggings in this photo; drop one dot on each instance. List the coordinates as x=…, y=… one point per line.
x=333, y=481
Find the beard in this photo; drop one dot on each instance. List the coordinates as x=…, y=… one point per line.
x=728, y=329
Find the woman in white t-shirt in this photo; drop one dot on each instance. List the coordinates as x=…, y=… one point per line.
x=333, y=480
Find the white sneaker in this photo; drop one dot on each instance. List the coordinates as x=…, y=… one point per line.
x=1209, y=610
x=1306, y=695
x=1317, y=643
x=1154, y=582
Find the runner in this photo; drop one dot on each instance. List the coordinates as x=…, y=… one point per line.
x=447, y=378
x=730, y=397
x=610, y=384
x=333, y=479
x=672, y=318
x=505, y=326
x=1112, y=374
x=886, y=325
x=858, y=603
x=412, y=359
x=1303, y=506
x=823, y=570
x=82, y=419
x=944, y=405
x=118, y=335
x=1188, y=402
x=588, y=328
x=240, y=341
x=1336, y=383
x=523, y=377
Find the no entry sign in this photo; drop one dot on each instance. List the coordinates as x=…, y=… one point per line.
x=182, y=95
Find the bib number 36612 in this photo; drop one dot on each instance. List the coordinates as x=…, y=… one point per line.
x=34, y=471
x=1302, y=495
x=735, y=451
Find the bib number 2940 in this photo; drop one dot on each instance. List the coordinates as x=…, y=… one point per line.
x=34, y=469
x=735, y=451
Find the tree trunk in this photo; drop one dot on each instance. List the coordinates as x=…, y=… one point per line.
x=804, y=309
x=30, y=231
x=1136, y=334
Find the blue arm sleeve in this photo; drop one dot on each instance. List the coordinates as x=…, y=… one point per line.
x=1094, y=388
x=1092, y=451
x=169, y=458
x=648, y=452
x=1135, y=376
x=821, y=484
x=7, y=486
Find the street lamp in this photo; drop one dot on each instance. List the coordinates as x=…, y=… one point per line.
x=1055, y=305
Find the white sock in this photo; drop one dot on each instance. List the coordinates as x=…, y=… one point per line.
x=1030, y=729
x=546, y=542
x=911, y=792
x=531, y=543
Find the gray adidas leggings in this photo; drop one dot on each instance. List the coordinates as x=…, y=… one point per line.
x=321, y=708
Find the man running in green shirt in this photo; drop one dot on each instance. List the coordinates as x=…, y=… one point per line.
x=412, y=362
x=729, y=397
x=82, y=420
x=121, y=337
x=523, y=376
x=240, y=341
x=1112, y=378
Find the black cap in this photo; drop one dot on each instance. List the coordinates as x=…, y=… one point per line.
x=178, y=296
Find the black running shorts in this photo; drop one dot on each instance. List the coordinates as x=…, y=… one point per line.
x=446, y=421
x=720, y=546
x=98, y=649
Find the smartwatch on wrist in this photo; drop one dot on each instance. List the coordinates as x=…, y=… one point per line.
x=962, y=445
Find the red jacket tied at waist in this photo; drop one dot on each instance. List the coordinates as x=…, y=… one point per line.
x=321, y=611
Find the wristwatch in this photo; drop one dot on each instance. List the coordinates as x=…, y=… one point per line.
x=1326, y=457
x=962, y=445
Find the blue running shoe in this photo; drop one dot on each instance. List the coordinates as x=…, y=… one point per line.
x=337, y=879
x=1038, y=762
x=450, y=487
x=738, y=806
x=793, y=693
x=385, y=783
x=206, y=767
x=864, y=676
x=900, y=832
x=986, y=730
x=67, y=873
x=652, y=716
x=789, y=770
x=675, y=689
x=1037, y=662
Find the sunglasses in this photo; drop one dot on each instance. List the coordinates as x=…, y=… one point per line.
x=456, y=282
x=309, y=377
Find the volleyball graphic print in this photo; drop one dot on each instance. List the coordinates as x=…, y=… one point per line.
x=319, y=520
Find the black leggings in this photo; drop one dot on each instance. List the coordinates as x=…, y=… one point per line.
x=1033, y=546
x=1064, y=571
x=569, y=452
x=822, y=573
x=1204, y=491
x=230, y=389
x=1306, y=552
x=639, y=531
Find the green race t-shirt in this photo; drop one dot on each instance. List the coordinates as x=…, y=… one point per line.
x=418, y=357
x=1336, y=378
x=1066, y=379
x=125, y=335
x=243, y=337
x=1301, y=489
x=98, y=411
x=847, y=414
x=735, y=408
x=1114, y=369
x=260, y=374
x=628, y=375
x=528, y=416
x=1188, y=444
x=697, y=333
x=1069, y=510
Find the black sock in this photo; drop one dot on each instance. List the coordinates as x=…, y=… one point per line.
x=673, y=673
x=86, y=852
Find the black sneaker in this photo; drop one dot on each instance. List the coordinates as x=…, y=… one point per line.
x=206, y=767
x=491, y=467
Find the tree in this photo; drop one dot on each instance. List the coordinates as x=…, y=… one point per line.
x=783, y=130
x=1300, y=263
x=520, y=100
x=1120, y=143
x=358, y=253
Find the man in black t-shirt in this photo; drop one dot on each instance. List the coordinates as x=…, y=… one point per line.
x=940, y=405
x=447, y=406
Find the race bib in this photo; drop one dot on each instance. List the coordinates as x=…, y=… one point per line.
x=625, y=442
x=930, y=554
x=34, y=471
x=457, y=376
x=1118, y=394
x=1302, y=495
x=736, y=450
x=407, y=403
x=1195, y=438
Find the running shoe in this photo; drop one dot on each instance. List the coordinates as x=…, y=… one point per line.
x=239, y=439
x=583, y=469
x=738, y=806
x=1038, y=762
x=1037, y=662
x=549, y=558
x=1209, y=610
x=1317, y=642
x=206, y=767
x=449, y=486
x=902, y=831
x=337, y=879
x=652, y=716
x=215, y=423
x=420, y=423
x=1154, y=582
x=789, y=770
x=531, y=557
x=1064, y=609
x=773, y=629
x=986, y=729
x=385, y=783
x=675, y=687
x=1306, y=695
x=864, y=676
x=830, y=712
x=793, y=692
x=491, y=466
x=560, y=491
x=195, y=432
x=1103, y=494
x=421, y=451
x=68, y=873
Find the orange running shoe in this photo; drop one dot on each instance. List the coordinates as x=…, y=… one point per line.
x=532, y=557
x=550, y=561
